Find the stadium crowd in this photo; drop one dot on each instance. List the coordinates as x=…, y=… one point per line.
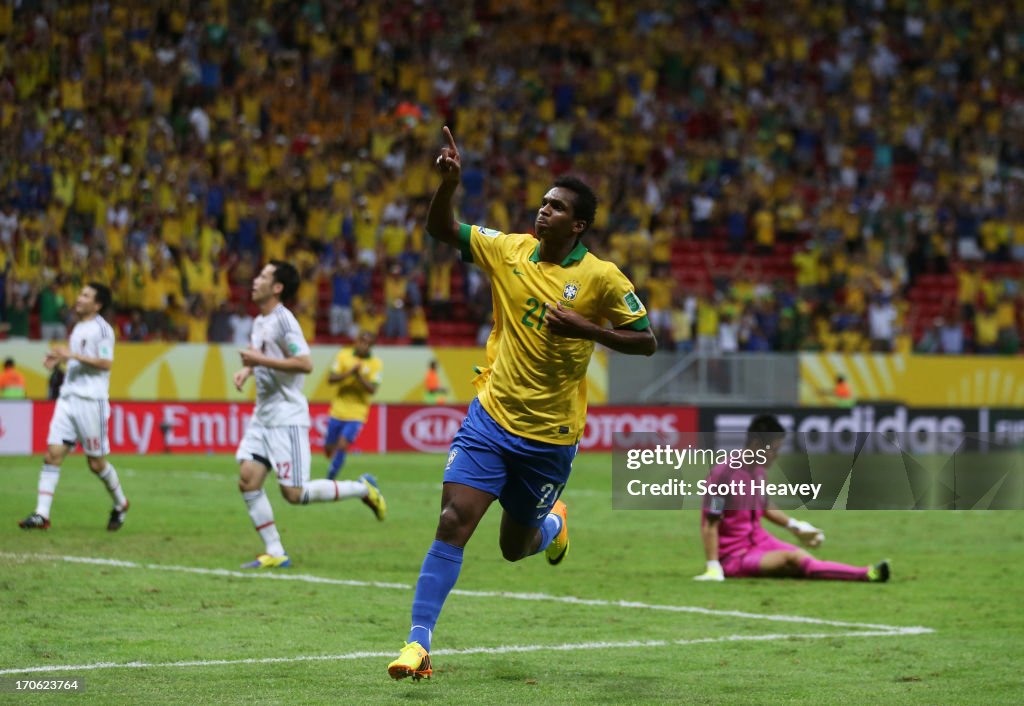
x=842, y=176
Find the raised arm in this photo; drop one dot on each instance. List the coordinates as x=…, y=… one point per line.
x=441, y=223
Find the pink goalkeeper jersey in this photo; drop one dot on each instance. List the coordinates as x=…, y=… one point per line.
x=740, y=526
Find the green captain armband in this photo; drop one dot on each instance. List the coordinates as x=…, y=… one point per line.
x=465, y=235
x=641, y=324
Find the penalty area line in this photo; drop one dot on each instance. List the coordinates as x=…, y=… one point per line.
x=504, y=595
x=500, y=650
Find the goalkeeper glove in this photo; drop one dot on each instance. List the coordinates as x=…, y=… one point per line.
x=806, y=532
x=712, y=573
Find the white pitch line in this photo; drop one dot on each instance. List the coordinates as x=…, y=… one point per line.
x=504, y=649
x=305, y=578
x=542, y=597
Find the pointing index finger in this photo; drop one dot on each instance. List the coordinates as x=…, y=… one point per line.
x=451, y=140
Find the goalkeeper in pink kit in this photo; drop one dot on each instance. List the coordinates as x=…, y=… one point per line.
x=735, y=543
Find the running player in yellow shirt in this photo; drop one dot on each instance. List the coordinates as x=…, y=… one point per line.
x=357, y=374
x=551, y=300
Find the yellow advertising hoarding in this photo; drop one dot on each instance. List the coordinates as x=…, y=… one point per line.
x=917, y=380
x=201, y=372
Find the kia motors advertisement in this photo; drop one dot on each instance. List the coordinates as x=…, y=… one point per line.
x=430, y=429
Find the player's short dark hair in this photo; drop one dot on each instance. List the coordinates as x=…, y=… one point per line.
x=584, y=206
x=9, y=363
x=103, y=295
x=287, y=276
x=765, y=430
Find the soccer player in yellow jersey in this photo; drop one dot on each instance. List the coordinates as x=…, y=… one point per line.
x=551, y=300
x=357, y=374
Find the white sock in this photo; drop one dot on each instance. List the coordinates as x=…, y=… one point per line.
x=263, y=520
x=327, y=491
x=109, y=477
x=48, y=478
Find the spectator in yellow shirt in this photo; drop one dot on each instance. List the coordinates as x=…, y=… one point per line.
x=419, y=330
x=370, y=320
x=764, y=229
x=198, y=322
x=986, y=330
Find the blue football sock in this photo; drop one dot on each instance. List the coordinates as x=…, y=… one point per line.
x=337, y=461
x=438, y=575
x=548, y=531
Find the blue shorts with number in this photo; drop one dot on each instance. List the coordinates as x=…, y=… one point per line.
x=342, y=428
x=527, y=476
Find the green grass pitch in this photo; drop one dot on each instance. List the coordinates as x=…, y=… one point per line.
x=209, y=636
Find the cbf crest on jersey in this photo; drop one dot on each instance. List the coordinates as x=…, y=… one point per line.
x=572, y=288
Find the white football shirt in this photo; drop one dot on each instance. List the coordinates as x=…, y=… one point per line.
x=93, y=339
x=279, y=398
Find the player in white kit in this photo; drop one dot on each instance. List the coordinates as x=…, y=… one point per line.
x=83, y=407
x=277, y=437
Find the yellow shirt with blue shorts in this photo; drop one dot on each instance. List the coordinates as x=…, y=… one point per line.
x=351, y=399
x=522, y=431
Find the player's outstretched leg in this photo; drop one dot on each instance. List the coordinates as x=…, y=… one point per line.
x=830, y=570
x=440, y=571
x=438, y=575
x=48, y=478
x=462, y=507
x=327, y=491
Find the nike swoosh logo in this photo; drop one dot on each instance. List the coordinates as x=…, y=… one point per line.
x=515, y=271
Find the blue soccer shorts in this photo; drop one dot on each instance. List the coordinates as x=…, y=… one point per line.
x=526, y=476
x=341, y=428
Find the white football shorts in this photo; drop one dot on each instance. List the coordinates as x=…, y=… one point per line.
x=80, y=420
x=284, y=450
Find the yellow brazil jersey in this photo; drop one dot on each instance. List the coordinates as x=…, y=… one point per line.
x=351, y=400
x=535, y=386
